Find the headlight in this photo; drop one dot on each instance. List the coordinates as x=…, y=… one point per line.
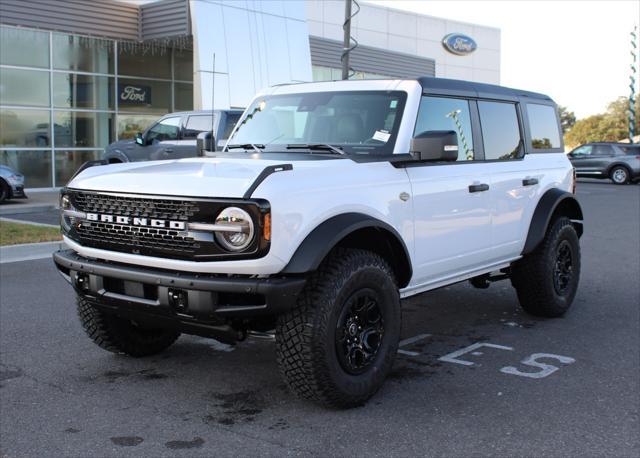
x=237, y=229
x=65, y=221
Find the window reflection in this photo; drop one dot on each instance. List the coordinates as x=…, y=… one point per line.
x=24, y=47
x=82, y=91
x=72, y=52
x=24, y=87
x=130, y=125
x=81, y=129
x=67, y=162
x=500, y=131
x=23, y=128
x=34, y=165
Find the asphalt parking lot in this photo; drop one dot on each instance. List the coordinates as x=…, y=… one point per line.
x=459, y=386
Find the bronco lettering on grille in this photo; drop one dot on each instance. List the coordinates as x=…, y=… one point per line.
x=160, y=223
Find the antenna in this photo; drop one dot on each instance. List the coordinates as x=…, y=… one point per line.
x=213, y=98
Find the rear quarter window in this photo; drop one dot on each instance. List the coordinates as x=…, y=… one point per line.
x=543, y=126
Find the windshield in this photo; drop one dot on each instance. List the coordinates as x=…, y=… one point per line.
x=361, y=122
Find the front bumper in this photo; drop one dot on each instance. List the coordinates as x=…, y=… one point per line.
x=178, y=297
x=17, y=191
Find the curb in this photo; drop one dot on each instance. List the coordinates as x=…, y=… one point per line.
x=29, y=251
x=21, y=221
x=21, y=209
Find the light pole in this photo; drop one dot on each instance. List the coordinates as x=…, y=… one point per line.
x=347, y=47
x=632, y=84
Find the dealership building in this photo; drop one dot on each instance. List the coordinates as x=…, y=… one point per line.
x=77, y=75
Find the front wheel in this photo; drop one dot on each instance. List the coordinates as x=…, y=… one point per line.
x=119, y=335
x=338, y=345
x=619, y=175
x=546, y=280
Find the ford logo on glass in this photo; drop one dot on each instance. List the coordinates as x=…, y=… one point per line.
x=457, y=43
x=134, y=94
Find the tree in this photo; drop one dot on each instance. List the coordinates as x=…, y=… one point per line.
x=567, y=118
x=610, y=126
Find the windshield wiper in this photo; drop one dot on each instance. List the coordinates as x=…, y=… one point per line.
x=256, y=147
x=317, y=146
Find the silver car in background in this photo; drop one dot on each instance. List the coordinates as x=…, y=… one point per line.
x=620, y=162
x=11, y=184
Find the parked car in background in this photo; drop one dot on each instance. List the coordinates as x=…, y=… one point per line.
x=11, y=184
x=173, y=136
x=619, y=162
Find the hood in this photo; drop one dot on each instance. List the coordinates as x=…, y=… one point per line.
x=121, y=145
x=203, y=177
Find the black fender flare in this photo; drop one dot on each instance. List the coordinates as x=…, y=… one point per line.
x=552, y=202
x=317, y=245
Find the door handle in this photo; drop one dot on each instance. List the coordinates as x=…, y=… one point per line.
x=478, y=187
x=168, y=150
x=529, y=181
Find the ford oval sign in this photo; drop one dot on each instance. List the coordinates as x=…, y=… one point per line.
x=457, y=43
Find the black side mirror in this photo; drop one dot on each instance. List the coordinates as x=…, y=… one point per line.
x=140, y=139
x=205, y=142
x=435, y=145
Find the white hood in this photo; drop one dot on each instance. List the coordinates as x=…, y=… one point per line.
x=203, y=177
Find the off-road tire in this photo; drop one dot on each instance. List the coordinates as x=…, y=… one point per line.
x=306, y=347
x=119, y=335
x=533, y=275
x=620, y=175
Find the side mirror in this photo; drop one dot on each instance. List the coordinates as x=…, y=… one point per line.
x=205, y=142
x=435, y=145
x=140, y=139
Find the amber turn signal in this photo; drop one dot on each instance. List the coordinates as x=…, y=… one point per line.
x=266, y=233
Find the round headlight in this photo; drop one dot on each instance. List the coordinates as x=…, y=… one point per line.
x=239, y=229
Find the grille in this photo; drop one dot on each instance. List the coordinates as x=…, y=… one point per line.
x=131, y=238
x=176, y=210
x=165, y=242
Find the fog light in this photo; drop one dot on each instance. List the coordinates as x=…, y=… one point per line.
x=178, y=299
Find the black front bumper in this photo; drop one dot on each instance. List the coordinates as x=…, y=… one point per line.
x=176, y=297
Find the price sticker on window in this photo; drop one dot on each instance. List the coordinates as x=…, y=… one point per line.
x=381, y=136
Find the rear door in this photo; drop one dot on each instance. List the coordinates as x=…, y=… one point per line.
x=451, y=205
x=194, y=125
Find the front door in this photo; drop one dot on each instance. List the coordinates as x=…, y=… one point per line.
x=162, y=138
x=451, y=204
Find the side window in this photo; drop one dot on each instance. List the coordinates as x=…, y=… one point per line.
x=196, y=125
x=500, y=130
x=582, y=151
x=543, y=125
x=602, y=150
x=442, y=113
x=166, y=129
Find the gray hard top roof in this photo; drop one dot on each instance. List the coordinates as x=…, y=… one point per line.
x=471, y=89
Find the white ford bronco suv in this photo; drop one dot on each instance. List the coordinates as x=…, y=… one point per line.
x=330, y=203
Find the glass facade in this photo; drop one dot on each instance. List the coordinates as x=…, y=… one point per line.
x=64, y=97
x=321, y=73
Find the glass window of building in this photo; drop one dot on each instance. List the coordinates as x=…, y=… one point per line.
x=83, y=129
x=71, y=90
x=130, y=125
x=67, y=162
x=24, y=128
x=144, y=60
x=183, y=64
x=183, y=93
x=146, y=96
x=24, y=47
x=34, y=165
x=24, y=87
x=77, y=53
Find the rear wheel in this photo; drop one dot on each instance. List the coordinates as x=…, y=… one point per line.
x=546, y=280
x=338, y=345
x=619, y=175
x=119, y=335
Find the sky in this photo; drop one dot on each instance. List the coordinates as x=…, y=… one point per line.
x=577, y=52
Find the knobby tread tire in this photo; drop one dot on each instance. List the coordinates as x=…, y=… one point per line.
x=532, y=276
x=118, y=335
x=302, y=340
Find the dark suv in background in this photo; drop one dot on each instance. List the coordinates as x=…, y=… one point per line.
x=619, y=162
x=173, y=136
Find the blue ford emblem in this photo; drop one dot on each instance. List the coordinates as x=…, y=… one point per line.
x=459, y=44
